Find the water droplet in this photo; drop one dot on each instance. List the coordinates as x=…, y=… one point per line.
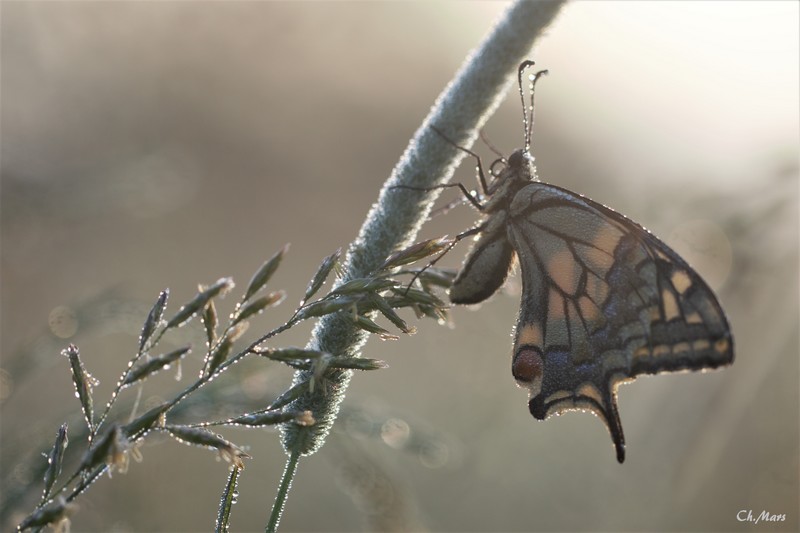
x=434, y=455
x=706, y=247
x=6, y=384
x=63, y=322
x=395, y=432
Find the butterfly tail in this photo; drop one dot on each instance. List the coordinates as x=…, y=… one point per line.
x=587, y=398
x=614, y=424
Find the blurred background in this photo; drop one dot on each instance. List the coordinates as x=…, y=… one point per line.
x=164, y=144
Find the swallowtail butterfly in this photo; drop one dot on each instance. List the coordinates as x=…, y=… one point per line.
x=603, y=299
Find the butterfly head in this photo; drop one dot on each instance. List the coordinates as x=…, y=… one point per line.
x=517, y=160
x=513, y=173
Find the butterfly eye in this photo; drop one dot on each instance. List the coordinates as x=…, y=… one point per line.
x=497, y=166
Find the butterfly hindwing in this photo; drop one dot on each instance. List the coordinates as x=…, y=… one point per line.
x=603, y=301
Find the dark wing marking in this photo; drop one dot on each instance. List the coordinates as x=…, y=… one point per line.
x=603, y=301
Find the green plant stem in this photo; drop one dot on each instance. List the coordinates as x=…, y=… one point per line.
x=283, y=491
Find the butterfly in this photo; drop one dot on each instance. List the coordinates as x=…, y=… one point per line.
x=603, y=299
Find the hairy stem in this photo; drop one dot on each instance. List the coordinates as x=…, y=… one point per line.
x=394, y=221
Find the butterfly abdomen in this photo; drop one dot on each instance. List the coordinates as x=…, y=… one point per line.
x=486, y=267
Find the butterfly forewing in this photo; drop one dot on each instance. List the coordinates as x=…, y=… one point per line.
x=603, y=301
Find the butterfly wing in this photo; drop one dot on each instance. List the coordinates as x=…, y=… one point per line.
x=603, y=301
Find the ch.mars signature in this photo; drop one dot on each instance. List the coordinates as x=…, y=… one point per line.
x=747, y=516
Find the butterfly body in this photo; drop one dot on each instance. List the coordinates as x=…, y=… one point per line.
x=603, y=300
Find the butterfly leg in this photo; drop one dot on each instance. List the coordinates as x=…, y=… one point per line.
x=485, y=139
x=468, y=195
x=446, y=208
x=481, y=174
x=473, y=231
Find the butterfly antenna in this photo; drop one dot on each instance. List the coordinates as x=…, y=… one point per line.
x=527, y=110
